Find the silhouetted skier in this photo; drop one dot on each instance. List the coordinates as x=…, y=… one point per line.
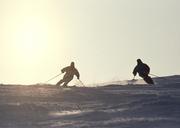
x=143, y=70
x=70, y=71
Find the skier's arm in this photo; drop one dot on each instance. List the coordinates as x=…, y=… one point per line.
x=135, y=71
x=77, y=74
x=64, y=69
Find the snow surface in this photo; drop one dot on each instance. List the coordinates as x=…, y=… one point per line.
x=112, y=106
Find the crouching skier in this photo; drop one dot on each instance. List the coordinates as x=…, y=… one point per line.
x=143, y=70
x=69, y=71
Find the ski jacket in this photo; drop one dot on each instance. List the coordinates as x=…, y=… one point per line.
x=70, y=72
x=142, y=69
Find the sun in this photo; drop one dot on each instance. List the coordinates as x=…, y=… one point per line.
x=31, y=38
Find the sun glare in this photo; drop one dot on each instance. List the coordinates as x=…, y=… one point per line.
x=31, y=38
x=31, y=34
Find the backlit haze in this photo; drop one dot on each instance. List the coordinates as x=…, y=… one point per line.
x=103, y=37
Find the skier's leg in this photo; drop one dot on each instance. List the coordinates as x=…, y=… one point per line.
x=65, y=84
x=67, y=81
x=148, y=80
x=60, y=82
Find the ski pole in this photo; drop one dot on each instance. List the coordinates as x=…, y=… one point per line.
x=81, y=82
x=53, y=77
x=132, y=81
x=154, y=75
x=159, y=76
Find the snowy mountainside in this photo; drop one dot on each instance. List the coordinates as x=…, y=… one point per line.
x=112, y=106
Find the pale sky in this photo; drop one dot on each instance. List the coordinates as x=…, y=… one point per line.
x=103, y=37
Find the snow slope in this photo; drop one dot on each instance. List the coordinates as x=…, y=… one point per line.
x=113, y=106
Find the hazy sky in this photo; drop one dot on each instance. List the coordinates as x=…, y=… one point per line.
x=103, y=37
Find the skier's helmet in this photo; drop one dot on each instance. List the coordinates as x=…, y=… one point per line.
x=72, y=64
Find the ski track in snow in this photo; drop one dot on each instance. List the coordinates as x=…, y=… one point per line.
x=97, y=107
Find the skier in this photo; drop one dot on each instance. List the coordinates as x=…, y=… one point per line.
x=143, y=70
x=70, y=71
